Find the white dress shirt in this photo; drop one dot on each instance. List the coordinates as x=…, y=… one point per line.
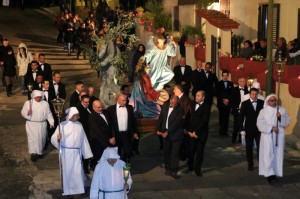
x=197, y=105
x=182, y=69
x=55, y=87
x=122, y=117
x=46, y=94
x=103, y=116
x=169, y=113
x=254, y=103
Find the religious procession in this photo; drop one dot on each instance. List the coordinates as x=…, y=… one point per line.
x=154, y=87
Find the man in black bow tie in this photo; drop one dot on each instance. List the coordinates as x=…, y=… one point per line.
x=197, y=129
x=236, y=98
x=44, y=67
x=57, y=86
x=248, y=117
x=182, y=75
x=125, y=125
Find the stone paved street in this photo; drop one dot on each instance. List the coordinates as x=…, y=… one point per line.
x=225, y=173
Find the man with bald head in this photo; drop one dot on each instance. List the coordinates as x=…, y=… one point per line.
x=101, y=131
x=125, y=126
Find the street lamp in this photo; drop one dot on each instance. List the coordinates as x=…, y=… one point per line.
x=58, y=105
x=280, y=64
x=126, y=172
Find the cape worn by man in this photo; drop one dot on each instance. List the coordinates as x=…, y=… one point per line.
x=36, y=111
x=73, y=145
x=108, y=180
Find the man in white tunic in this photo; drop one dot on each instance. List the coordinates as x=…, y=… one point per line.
x=270, y=155
x=36, y=111
x=73, y=145
x=108, y=180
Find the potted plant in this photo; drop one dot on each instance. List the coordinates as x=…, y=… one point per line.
x=139, y=11
x=193, y=34
x=147, y=20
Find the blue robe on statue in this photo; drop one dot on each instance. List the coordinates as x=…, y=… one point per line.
x=160, y=73
x=141, y=105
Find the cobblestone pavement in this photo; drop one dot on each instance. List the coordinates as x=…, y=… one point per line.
x=225, y=173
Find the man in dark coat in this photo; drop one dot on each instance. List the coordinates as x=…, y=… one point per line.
x=92, y=97
x=196, y=79
x=198, y=132
x=170, y=127
x=84, y=113
x=101, y=131
x=209, y=80
x=125, y=125
x=248, y=117
x=236, y=97
x=74, y=99
x=182, y=75
x=57, y=86
x=45, y=67
x=223, y=90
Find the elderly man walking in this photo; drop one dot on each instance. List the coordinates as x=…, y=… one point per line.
x=36, y=111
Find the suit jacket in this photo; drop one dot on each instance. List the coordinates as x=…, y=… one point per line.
x=29, y=77
x=51, y=96
x=37, y=86
x=175, y=122
x=199, y=120
x=100, y=131
x=84, y=116
x=208, y=84
x=179, y=77
x=61, y=89
x=222, y=92
x=249, y=116
x=47, y=72
x=235, y=99
x=74, y=99
x=196, y=80
x=131, y=125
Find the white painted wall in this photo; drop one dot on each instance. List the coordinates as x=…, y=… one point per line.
x=187, y=15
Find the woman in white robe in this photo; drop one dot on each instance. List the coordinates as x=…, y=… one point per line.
x=270, y=155
x=73, y=145
x=36, y=111
x=108, y=180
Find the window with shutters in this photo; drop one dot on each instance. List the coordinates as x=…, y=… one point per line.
x=263, y=22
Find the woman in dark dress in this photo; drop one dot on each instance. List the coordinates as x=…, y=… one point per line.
x=9, y=71
x=137, y=55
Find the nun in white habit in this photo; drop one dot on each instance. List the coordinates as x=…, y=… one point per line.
x=73, y=145
x=36, y=111
x=270, y=155
x=108, y=180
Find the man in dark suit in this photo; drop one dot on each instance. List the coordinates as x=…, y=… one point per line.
x=101, y=131
x=74, y=99
x=45, y=67
x=57, y=86
x=84, y=113
x=49, y=95
x=32, y=72
x=197, y=76
x=198, y=132
x=182, y=75
x=170, y=127
x=92, y=97
x=37, y=84
x=209, y=80
x=125, y=125
x=223, y=90
x=185, y=102
x=248, y=117
x=236, y=97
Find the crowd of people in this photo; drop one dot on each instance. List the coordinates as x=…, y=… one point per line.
x=101, y=139
x=289, y=51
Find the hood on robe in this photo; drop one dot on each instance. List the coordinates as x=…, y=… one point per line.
x=71, y=111
x=36, y=93
x=110, y=153
x=267, y=99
